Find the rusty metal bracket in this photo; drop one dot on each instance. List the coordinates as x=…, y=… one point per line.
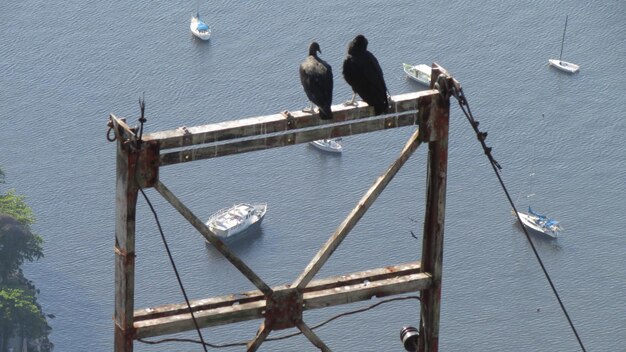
x=110, y=126
x=123, y=132
x=186, y=135
x=283, y=309
x=291, y=122
x=147, y=152
x=391, y=122
x=148, y=164
x=447, y=85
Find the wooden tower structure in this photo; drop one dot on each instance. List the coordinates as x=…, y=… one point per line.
x=139, y=159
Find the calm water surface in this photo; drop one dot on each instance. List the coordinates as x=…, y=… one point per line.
x=65, y=66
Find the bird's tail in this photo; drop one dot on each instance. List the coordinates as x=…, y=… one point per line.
x=381, y=108
x=326, y=113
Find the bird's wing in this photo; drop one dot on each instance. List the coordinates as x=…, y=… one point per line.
x=364, y=74
x=317, y=81
x=376, y=66
x=350, y=70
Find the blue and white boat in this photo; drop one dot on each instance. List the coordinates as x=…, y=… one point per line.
x=198, y=27
x=540, y=223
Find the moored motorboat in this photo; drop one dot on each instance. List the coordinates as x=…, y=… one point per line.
x=329, y=145
x=241, y=217
x=420, y=73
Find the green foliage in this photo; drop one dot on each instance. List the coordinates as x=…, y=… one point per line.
x=17, y=244
x=19, y=313
x=15, y=206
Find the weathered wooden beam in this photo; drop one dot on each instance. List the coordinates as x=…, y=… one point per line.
x=278, y=130
x=122, y=130
x=263, y=142
x=436, y=130
x=212, y=238
x=256, y=295
x=364, y=204
x=260, y=336
x=125, y=211
x=279, y=123
x=366, y=290
x=380, y=282
x=255, y=310
x=315, y=340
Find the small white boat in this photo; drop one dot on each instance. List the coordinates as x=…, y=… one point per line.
x=328, y=145
x=229, y=222
x=560, y=64
x=540, y=223
x=420, y=73
x=564, y=65
x=198, y=27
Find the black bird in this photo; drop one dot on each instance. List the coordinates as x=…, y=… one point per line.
x=317, y=80
x=363, y=73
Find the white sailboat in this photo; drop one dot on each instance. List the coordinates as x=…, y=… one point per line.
x=198, y=27
x=538, y=223
x=560, y=64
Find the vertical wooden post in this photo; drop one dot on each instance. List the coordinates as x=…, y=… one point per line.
x=435, y=131
x=125, y=206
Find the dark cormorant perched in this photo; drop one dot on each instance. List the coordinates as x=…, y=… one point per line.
x=317, y=80
x=363, y=73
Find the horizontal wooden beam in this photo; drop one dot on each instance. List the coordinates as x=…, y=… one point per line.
x=359, y=286
x=279, y=123
x=250, y=296
x=263, y=142
x=287, y=128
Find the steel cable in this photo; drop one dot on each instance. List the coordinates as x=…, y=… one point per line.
x=458, y=94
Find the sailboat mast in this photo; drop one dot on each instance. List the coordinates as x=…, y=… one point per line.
x=563, y=40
